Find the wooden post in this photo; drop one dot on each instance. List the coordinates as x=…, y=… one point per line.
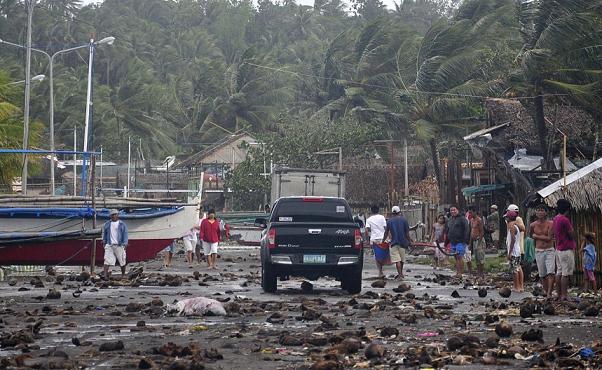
x=391, y=172
x=93, y=192
x=564, y=158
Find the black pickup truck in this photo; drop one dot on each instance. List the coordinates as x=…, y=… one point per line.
x=311, y=237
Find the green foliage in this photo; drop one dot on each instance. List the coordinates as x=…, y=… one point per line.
x=185, y=73
x=11, y=132
x=249, y=186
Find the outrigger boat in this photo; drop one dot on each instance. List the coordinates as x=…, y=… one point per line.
x=60, y=230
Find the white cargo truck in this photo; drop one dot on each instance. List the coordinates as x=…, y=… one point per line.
x=307, y=182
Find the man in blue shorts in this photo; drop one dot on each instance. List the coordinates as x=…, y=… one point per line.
x=458, y=234
x=399, y=231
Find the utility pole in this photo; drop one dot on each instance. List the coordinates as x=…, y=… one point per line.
x=406, y=192
x=30, y=5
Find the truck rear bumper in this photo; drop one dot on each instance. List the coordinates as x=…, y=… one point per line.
x=282, y=259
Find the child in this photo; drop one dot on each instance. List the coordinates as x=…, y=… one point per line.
x=513, y=252
x=589, y=261
x=438, y=236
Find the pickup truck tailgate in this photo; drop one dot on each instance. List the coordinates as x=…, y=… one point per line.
x=311, y=237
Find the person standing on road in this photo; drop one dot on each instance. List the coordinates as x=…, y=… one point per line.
x=115, y=240
x=513, y=251
x=540, y=231
x=198, y=248
x=562, y=229
x=477, y=238
x=521, y=226
x=493, y=225
x=438, y=236
x=375, y=226
x=458, y=234
x=588, y=251
x=190, y=240
x=210, y=237
x=399, y=230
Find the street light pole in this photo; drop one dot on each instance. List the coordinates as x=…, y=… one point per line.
x=106, y=40
x=34, y=78
x=30, y=4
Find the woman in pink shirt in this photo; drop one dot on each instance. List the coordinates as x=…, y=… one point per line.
x=210, y=237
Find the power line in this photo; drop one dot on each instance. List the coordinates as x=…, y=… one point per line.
x=300, y=74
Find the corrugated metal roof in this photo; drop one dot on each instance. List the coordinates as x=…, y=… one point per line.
x=556, y=186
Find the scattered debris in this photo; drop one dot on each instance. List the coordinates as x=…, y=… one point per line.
x=111, y=346
x=503, y=329
x=198, y=306
x=505, y=292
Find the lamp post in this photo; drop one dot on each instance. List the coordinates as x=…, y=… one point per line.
x=89, y=107
x=29, y=4
x=106, y=40
x=33, y=79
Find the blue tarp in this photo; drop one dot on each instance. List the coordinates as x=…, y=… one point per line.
x=85, y=213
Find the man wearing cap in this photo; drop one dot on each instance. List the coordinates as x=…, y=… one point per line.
x=115, y=240
x=521, y=238
x=399, y=229
x=493, y=225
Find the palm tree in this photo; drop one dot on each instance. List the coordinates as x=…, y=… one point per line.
x=561, y=53
x=252, y=95
x=11, y=131
x=447, y=88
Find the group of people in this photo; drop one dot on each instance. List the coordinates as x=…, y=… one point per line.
x=396, y=233
x=555, y=247
x=551, y=244
x=201, y=240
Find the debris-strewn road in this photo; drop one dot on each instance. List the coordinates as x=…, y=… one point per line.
x=69, y=321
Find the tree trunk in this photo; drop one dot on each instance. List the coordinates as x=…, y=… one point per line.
x=436, y=167
x=542, y=130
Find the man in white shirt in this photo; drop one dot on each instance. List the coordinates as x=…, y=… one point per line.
x=375, y=226
x=115, y=240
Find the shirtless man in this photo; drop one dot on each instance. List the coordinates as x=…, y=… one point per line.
x=477, y=232
x=540, y=232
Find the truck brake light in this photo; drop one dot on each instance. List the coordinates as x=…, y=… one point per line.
x=272, y=239
x=358, y=239
x=315, y=200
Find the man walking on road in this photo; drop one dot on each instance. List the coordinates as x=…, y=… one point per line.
x=458, y=233
x=376, y=225
x=115, y=240
x=540, y=231
x=399, y=230
x=563, y=232
x=477, y=238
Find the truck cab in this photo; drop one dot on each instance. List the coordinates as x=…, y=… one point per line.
x=311, y=237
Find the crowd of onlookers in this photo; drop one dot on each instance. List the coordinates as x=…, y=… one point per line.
x=546, y=244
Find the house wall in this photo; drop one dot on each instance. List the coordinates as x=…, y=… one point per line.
x=230, y=154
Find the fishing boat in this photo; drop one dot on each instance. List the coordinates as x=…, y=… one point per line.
x=62, y=230
x=242, y=227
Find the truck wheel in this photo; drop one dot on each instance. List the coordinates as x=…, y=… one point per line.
x=353, y=284
x=269, y=282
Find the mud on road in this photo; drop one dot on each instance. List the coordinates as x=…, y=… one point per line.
x=71, y=321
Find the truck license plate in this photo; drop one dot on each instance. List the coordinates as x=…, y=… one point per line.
x=314, y=258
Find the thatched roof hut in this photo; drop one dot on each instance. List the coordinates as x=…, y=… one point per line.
x=578, y=125
x=584, y=190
